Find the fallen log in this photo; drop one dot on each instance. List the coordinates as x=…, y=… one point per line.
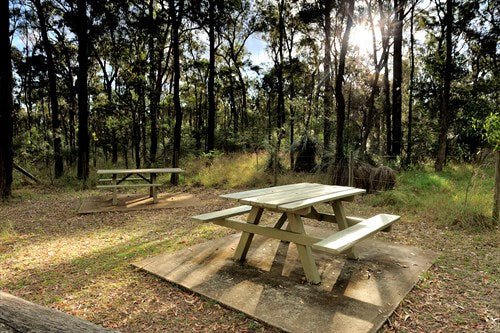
x=19, y=316
x=26, y=173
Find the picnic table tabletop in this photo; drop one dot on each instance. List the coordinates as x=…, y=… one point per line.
x=151, y=170
x=288, y=198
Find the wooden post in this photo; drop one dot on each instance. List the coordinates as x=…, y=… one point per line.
x=153, y=191
x=340, y=216
x=115, y=190
x=246, y=238
x=351, y=169
x=305, y=252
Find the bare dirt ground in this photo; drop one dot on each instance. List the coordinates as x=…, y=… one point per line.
x=80, y=264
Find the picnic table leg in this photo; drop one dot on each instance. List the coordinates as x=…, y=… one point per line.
x=115, y=190
x=305, y=253
x=153, y=192
x=246, y=238
x=340, y=217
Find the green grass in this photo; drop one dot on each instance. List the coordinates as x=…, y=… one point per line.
x=461, y=195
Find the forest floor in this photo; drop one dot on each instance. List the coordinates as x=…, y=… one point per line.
x=81, y=264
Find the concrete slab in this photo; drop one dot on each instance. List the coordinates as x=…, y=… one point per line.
x=354, y=296
x=128, y=202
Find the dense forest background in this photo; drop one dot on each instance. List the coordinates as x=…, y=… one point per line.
x=146, y=82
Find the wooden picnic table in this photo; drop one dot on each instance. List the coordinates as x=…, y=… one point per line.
x=147, y=177
x=294, y=202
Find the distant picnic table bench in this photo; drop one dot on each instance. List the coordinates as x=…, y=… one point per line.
x=147, y=177
x=294, y=202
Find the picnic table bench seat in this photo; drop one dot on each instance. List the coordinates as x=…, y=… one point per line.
x=129, y=179
x=128, y=185
x=347, y=238
x=222, y=214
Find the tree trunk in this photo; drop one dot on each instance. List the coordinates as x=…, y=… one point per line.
x=328, y=93
x=410, y=92
x=397, y=72
x=496, y=197
x=82, y=90
x=73, y=106
x=154, y=98
x=143, y=121
x=176, y=19
x=54, y=103
x=339, y=82
x=243, y=88
x=387, y=109
x=211, y=79
x=6, y=104
x=232, y=105
x=370, y=117
x=281, y=94
x=136, y=138
x=23, y=316
x=445, y=102
x=292, y=110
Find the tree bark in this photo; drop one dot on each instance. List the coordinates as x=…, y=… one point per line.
x=211, y=78
x=445, y=102
x=154, y=98
x=292, y=97
x=397, y=72
x=410, y=92
x=328, y=93
x=281, y=94
x=387, y=109
x=82, y=90
x=176, y=19
x=496, y=197
x=23, y=316
x=6, y=104
x=54, y=102
x=136, y=138
x=369, y=117
x=339, y=82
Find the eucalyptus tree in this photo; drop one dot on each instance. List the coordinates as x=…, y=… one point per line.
x=211, y=16
x=195, y=69
x=320, y=12
x=241, y=23
x=41, y=11
x=294, y=28
x=397, y=77
x=6, y=103
x=339, y=82
x=379, y=62
x=273, y=16
x=82, y=34
x=159, y=59
x=444, y=114
x=176, y=12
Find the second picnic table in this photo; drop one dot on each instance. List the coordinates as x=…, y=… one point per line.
x=147, y=176
x=294, y=202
